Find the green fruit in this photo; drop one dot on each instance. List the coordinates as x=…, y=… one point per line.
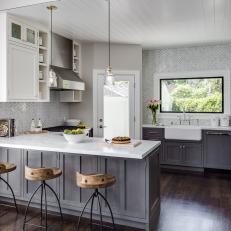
x=74, y=132
x=68, y=132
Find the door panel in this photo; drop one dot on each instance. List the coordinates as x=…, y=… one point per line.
x=23, y=73
x=116, y=107
x=193, y=155
x=173, y=153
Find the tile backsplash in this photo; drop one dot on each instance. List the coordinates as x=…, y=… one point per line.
x=51, y=114
x=183, y=59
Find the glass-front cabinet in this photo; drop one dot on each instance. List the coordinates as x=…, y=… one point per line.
x=20, y=32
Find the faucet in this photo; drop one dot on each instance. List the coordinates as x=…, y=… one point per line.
x=180, y=119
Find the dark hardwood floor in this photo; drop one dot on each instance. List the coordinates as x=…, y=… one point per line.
x=189, y=203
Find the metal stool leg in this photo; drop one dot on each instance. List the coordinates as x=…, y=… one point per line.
x=56, y=196
x=92, y=204
x=15, y=204
x=91, y=197
x=45, y=194
x=109, y=207
x=27, y=208
x=41, y=207
x=100, y=210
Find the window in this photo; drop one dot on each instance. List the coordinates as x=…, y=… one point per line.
x=192, y=95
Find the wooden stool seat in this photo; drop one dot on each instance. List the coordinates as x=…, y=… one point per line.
x=6, y=167
x=42, y=174
x=94, y=181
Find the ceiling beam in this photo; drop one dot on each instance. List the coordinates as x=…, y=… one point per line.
x=13, y=4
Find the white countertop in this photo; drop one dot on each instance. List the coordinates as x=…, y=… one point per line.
x=91, y=146
x=188, y=126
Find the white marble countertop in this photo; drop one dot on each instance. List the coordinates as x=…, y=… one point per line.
x=188, y=126
x=91, y=146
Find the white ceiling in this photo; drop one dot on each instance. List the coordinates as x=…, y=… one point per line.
x=151, y=23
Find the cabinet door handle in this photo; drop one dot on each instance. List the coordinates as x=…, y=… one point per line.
x=153, y=132
x=218, y=133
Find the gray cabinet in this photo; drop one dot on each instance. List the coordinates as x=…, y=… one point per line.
x=193, y=155
x=71, y=195
x=183, y=153
x=217, y=149
x=41, y=159
x=155, y=134
x=14, y=178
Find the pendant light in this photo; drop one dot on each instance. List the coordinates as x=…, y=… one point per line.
x=52, y=74
x=109, y=75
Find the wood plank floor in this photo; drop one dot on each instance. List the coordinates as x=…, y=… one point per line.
x=189, y=203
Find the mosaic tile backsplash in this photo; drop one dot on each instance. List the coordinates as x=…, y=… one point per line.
x=198, y=58
x=51, y=114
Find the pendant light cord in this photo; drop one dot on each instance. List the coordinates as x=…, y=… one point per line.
x=109, y=33
x=51, y=33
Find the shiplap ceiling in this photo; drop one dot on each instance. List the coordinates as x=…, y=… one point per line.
x=151, y=23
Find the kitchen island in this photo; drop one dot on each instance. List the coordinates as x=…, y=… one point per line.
x=135, y=198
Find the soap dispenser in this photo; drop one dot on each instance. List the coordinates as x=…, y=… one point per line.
x=32, y=126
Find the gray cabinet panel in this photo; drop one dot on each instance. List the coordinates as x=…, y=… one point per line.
x=156, y=134
x=153, y=133
x=71, y=194
x=115, y=193
x=183, y=153
x=14, y=178
x=134, y=197
x=173, y=153
x=217, y=149
x=193, y=155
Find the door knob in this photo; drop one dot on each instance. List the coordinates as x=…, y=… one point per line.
x=101, y=126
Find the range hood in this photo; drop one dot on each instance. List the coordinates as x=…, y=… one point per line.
x=68, y=79
x=62, y=55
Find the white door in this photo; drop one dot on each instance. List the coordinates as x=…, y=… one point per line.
x=115, y=107
x=22, y=73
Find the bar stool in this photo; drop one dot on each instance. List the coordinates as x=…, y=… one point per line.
x=6, y=168
x=41, y=174
x=95, y=181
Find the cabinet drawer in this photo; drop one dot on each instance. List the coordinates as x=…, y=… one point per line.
x=153, y=133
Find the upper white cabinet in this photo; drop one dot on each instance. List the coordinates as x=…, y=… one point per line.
x=20, y=32
x=23, y=77
x=23, y=73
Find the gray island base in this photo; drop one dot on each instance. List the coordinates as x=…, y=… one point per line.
x=135, y=198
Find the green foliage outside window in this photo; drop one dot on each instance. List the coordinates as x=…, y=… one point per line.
x=192, y=95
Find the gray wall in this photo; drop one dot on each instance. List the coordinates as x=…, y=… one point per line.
x=213, y=57
x=95, y=56
x=51, y=113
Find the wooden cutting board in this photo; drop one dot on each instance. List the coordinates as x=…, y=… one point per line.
x=133, y=143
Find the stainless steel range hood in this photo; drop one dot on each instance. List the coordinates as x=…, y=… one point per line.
x=62, y=65
x=68, y=79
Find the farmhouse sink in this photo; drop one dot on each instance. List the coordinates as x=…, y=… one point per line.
x=183, y=132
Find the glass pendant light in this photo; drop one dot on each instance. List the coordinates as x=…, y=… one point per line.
x=52, y=74
x=109, y=80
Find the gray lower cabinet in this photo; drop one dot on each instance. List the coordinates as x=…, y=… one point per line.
x=71, y=195
x=217, y=149
x=13, y=178
x=134, y=198
x=155, y=134
x=183, y=153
